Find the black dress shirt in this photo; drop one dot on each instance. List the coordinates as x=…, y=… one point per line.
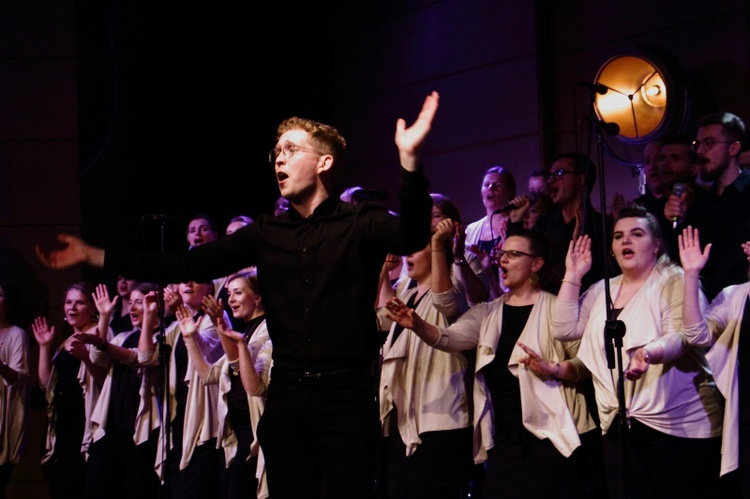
x=723, y=221
x=318, y=276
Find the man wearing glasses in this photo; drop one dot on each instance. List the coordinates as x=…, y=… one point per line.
x=569, y=182
x=724, y=216
x=318, y=268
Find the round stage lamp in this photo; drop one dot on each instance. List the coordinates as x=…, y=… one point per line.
x=638, y=98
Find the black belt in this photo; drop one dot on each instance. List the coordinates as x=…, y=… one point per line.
x=318, y=378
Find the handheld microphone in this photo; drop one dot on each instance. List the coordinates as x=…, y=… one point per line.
x=678, y=190
x=510, y=206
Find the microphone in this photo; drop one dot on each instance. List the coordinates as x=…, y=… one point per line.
x=610, y=129
x=678, y=190
x=510, y=206
x=159, y=217
x=596, y=87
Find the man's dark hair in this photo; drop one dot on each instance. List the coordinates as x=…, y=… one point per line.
x=734, y=127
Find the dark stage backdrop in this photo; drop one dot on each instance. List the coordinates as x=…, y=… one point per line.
x=178, y=108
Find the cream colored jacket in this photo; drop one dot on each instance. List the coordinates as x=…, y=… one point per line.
x=678, y=396
x=201, y=411
x=551, y=409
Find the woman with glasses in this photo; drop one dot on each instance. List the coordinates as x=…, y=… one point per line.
x=528, y=428
x=671, y=433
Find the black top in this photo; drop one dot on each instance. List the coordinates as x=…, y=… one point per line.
x=70, y=414
x=318, y=276
x=723, y=221
x=125, y=397
x=503, y=386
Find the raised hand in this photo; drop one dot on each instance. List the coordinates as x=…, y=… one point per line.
x=746, y=249
x=188, y=326
x=172, y=299
x=402, y=315
x=74, y=252
x=212, y=307
x=409, y=140
x=230, y=333
x=104, y=305
x=391, y=262
x=444, y=230
x=578, y=259
x=691, y=257
x=42, y=332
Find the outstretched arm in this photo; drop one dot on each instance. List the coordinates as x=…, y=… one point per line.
x=74, y=252
x=409, y=140
x=566, y=369
x=408, y=318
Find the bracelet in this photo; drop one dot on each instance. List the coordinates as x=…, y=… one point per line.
x=459, y=261
x=576, y=284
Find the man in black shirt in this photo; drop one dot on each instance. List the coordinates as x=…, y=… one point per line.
x=722, y=215
x=318, y=268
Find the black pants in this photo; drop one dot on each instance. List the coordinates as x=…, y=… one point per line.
x=119, y=469
x=440, y=468
x=238, y=479
x=200, y=479
x=320, y=439
x=660, y=465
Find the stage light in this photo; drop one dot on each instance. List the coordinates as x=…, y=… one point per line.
x=640, y=96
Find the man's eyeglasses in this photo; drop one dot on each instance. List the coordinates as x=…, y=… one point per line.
x=559, y=174
x=512, y=254
x=288, y=150
x=708, y=143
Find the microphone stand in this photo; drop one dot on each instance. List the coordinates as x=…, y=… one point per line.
x=614, y=331
x=165, y=352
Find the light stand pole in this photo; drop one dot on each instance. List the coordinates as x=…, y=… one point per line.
x=614, y=330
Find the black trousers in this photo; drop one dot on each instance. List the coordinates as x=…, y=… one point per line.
x=320, y=439
x=660, y=465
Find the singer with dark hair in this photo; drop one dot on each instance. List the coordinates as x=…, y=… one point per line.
x=722, y=215
x=672, y=434
x=678, y=172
